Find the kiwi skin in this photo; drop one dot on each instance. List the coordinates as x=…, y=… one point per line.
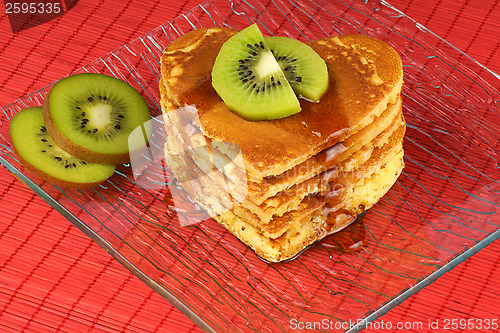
x=75, y=150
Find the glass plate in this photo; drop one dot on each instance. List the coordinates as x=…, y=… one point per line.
x=443, y=208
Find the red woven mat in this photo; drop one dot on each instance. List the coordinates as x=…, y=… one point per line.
x=52, y=277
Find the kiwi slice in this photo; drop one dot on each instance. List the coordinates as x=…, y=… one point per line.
x=250, y=81
x=91, y=116
x=303, y=67
x=39, y=153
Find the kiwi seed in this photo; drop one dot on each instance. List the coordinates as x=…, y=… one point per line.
x=250, y=81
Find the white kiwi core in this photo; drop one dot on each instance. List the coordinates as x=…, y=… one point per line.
x=267, y=65
x=100, y=115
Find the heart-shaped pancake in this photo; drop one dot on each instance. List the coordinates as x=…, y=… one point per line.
x=306, y=175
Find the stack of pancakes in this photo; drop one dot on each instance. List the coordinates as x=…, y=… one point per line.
x=301, y=177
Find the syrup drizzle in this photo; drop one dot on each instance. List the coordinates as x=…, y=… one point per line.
x=169, y=202
x=349, y=239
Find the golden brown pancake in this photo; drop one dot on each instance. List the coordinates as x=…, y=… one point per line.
x=302, y=233
x=289, y=198
x=356, y=95
x=342, y=178
x=292, y=167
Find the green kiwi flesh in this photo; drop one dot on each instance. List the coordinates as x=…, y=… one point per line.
x=39, y=153
x=249, y=80
x=304, y=68
x=91, y=115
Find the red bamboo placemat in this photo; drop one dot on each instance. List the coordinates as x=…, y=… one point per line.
x=52, y=277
